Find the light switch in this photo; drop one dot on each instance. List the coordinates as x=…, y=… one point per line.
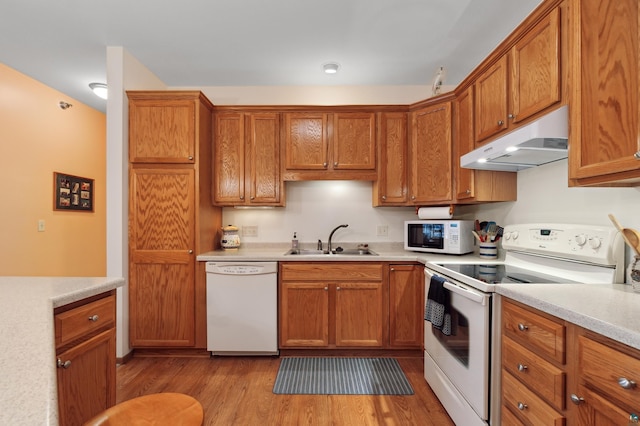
x=41, y=225
x=383, y=231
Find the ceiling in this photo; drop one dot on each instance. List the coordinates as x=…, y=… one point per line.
x=202, y=43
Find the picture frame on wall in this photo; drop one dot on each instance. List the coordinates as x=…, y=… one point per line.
x=72, y=192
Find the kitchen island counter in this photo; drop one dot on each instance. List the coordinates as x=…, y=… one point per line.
x=607, y=309
x=28, y=386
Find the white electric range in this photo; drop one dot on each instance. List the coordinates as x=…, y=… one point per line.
x=460, y=366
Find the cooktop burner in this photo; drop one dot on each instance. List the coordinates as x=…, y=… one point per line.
x=500, y=273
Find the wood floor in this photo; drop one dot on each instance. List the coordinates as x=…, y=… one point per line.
x=238, y=391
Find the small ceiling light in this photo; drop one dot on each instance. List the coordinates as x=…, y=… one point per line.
x=64, y=105
x=330, y=68
x=511, y=148
x=100, y=89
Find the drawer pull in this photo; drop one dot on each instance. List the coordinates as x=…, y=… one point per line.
x=522, y=327
x=576, y=399
x=522, y=406
x=626, y=383
x=94, y=318
x=522, y=367
x=65, y=364
x=633, y=418
x=326, y=288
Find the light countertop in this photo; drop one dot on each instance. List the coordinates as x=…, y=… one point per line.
x=28, y=386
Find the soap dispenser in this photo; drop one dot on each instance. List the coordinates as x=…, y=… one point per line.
x=294, y=243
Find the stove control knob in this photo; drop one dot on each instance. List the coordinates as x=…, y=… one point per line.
x=581, y=240
x=515, y=235
x=595, y=242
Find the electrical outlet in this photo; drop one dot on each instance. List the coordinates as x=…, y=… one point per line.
x=383, y=231
x=250, y=231
x=41, y=225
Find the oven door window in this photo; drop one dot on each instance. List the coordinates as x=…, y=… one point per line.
x=427, y=235
x=457, y=344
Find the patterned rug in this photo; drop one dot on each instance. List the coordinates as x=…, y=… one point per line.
x=341, y=376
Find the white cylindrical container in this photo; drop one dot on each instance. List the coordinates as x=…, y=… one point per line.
x=488, y=249
x=633, y=274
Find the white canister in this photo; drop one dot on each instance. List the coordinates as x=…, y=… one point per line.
x=633, y=274
x=230, y=237
x=488, y=250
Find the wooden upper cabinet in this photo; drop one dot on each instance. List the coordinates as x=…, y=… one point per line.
x=474, y=186
x=306, y=141
x=246, y=163
x=521, y=83
x=491, y=100
x=161, y=130
x=354, y=141
x=335, y=145
x=391, y=187
x=431, y=155
x=604, y=141
x=535, y=80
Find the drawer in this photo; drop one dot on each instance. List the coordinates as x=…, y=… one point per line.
x=538, y=374
x=85, y=319
x=331, y=271
x=601, y=367
x=534, y=331
x=526, y=405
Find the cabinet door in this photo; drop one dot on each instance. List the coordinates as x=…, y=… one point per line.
x=161, y=131
x=304, y=314
x=264, y=182
x=229, y=159
x=491, y=101
x=354, y=141
x=306, y=141
x=604, y=115
x=431, y=152
x=391, y=186
x=599, y=411
x=88, y=385
x=406, y=305
x=536, y=68
x=161, y=243
x=359, y=314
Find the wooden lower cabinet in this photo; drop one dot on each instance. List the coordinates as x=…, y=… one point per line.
x=406, y=305
x=86, y=358
x=332, y=305
x=593, y=385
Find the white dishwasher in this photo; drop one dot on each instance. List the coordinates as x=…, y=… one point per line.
x=242, y=308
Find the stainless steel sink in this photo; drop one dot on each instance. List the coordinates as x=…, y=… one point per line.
x=337, y=252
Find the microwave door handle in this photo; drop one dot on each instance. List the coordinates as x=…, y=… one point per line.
x=466, y=293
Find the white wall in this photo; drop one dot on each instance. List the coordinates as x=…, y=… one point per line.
x=314, y=208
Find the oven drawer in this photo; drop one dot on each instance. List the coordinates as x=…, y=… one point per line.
x=534, y=331
x=604, y=369
x=526, y=405
x=536, y=373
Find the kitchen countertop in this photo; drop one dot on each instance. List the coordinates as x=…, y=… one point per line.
x=28, y=386
x=607, y=309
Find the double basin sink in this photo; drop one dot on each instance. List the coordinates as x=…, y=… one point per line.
x=337, y=252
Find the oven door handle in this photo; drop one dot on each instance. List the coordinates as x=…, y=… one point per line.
x=465, y=292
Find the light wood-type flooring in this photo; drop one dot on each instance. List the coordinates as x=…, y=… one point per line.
x=238, y=391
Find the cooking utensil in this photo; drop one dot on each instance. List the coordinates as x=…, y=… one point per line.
x=630, y=236
x=475, y=234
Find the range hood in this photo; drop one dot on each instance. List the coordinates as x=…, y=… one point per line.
x=539, y=142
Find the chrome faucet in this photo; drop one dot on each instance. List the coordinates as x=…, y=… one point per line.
x=331, y=235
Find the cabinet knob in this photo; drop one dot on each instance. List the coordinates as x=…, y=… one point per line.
x=326, y=288
x=522, y=327
x=511, y=116
x=637, y=155
x=626, y=383
x=633, y=418
x=324, y=165
x=338, y=288
x=576, y=399
x=65, y=364
x=335, y=164
x=500, y=122
x=522, y=406
x=93, y=318
x=522, y=367
x=468, y=191
x=393, y=269
x=384, y=197
x=413, y=197
x=190, y=251
x=242, y=197
x=252, y=197
x=190, y=157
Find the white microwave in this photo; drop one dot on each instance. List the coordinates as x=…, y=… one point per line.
x=439, y=236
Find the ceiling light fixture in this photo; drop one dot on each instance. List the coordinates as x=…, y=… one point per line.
x=330, y=68
x=100, y=89
x=64, y=105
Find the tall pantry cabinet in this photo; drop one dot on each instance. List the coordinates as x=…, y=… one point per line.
x=171, y=217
